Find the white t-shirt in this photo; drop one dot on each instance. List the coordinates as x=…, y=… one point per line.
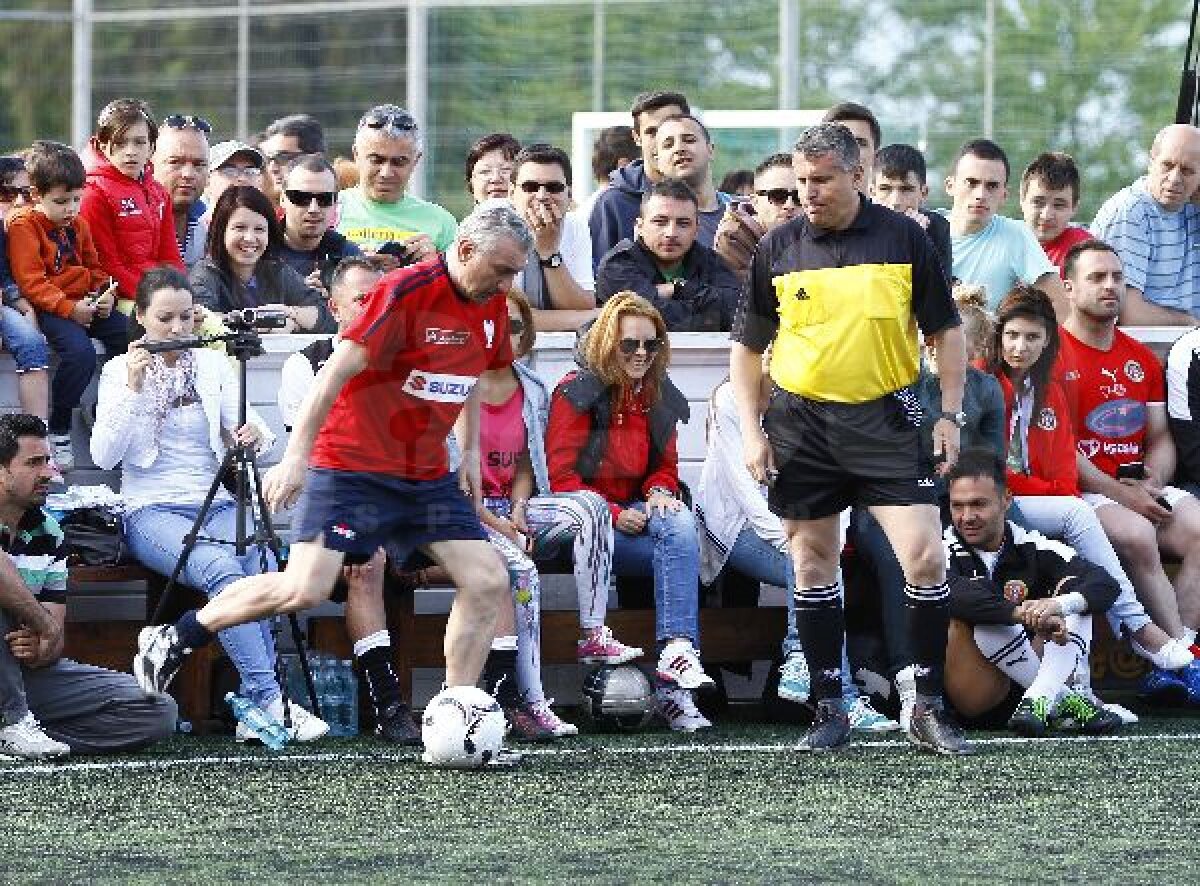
x=576, y=249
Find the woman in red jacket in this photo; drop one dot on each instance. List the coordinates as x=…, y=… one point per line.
x=129, y=213
x=613, y=430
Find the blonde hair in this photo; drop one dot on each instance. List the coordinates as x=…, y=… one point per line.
x=978, y=324
x=601, y=350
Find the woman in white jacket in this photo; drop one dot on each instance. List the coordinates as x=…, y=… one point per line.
x=166, y=418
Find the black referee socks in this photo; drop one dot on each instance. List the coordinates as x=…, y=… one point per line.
x=927, y=618
x=821, y=625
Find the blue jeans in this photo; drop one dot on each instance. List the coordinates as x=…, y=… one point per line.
x=77, y=359
x=669, y=550
x=764, y=562
x=26, y=344
x=156, y=540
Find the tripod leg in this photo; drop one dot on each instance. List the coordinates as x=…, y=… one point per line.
x=298, y=639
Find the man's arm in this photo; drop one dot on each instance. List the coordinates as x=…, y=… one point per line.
x=1137, y=311
x=1051, y=284
x=34, y=650
x=18, y=601
x=1160, y=455
x=746, y=376
x=952, y=371
x=466, y=432
x=1131, y=494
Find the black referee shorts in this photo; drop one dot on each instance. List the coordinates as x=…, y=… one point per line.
x=834, y=455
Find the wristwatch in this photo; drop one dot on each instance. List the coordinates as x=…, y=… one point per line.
x=959, y=418
x=552, y=261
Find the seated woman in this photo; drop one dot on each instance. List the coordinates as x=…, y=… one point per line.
x=166, y=418
x=613, y=431
x=526, y=523
x=737, y=529
x=242, y=270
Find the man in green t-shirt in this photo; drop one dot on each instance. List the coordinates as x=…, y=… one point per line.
x=387, y=148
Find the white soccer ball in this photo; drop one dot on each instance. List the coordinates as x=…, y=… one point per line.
x=463, y=728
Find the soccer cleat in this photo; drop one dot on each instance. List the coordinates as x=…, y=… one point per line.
x=62, y=452
x=26, y=739
x=1191, y=681
x=601, y=647
x=906, y=688
x=1031, y=718
x=544, y=714
x=864, y=718
x=932, y=729
x=1164, y=687
x=1075, y=712
x=830, y=730
x=680, y=666
x=678, y=708
x=159, y=657
x=396, y=724
x=524, y=725
x=794, y=681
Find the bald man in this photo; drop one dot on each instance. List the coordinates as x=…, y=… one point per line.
x=1154, y=225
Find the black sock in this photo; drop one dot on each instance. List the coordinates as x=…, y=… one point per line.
x=500, y=677
x=191, y=633
x=927, y=618
x=382, y=684
x=821, y=625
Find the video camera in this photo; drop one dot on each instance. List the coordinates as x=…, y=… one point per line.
x=246, y=319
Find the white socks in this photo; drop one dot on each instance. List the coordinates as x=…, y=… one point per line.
x=1007, y=647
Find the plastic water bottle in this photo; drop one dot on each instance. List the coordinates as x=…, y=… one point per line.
x=264, y=728
x=348, y=718
x=336, y=693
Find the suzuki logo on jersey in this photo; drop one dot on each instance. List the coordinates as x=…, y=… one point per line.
x=128, y=207
x=489, y=331
x=435, y=336
x=439, y=387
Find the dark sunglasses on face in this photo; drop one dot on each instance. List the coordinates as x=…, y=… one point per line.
x=515, y=325
x=779, y=196
x=630, y=346
x=305, y=198
x=10, y=193
x=187, y=121
x=532, y=187
x=401, y=122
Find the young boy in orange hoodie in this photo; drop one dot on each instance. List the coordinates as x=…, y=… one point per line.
x=55, y=266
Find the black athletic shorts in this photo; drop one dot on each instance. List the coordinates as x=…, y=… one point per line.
x=834, y=455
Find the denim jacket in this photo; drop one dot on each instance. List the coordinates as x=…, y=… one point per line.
x=536, y=412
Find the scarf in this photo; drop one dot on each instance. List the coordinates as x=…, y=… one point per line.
x=166, y=386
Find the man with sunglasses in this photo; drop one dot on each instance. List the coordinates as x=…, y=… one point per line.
x=775, y=202
x=311, y=246
x=181, y=166
x=378, y=211
x=284, y=142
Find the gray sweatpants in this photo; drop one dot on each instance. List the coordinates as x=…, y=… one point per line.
x=91, y=709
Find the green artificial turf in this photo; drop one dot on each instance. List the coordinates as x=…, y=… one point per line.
x=614, y=809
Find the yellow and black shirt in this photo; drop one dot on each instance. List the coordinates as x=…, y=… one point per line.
x=843, y=307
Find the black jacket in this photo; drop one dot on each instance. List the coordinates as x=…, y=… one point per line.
x=1030, y=566
x=219, y=291
x=709, y=295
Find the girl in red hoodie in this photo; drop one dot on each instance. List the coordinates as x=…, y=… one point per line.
x=128, y=212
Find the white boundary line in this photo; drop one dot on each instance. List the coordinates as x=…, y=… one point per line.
x=16, y=768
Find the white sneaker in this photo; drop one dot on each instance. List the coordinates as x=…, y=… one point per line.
x=306, y=726
x=678, y=708
x=680, y=665
x=25, y=738
x=906, y=686
x=62, y=452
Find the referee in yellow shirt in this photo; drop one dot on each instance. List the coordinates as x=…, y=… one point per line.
x=841, y=291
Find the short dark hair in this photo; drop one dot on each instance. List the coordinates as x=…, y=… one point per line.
x=984, y=149
x=306, y=129
x=160, y=277
x=897, y=161
x=120, y=114
x=1072, y=257
x=674, y=188
x=978, y=462
x=503, y=142
x=351, y=263
x=14, y=426
x=774, y=161
x=542, y=153
x=311, y=163
x=241, y=197
x=9, y=167
x=652, y=101
x=843, y=111
x=686, y=116
x=613, y=145
x=53, y=164
x=735, y=180
x=1054, y=169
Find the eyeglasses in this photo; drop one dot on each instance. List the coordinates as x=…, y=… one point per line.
x=515, y=325
x=487, y=172
x=532, y=187
x=402, y=122
x=12, y=193
x=241, y=171
x=285, y=158
x=187, y=121
x=779, y=196
x=630, y=346
x=305, y=198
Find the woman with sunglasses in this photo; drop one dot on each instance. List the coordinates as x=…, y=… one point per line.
x=128, y=211
x=613, y=430
x=14, y=185
x=243, y=271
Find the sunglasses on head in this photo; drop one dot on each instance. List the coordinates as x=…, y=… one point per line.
x=779, y=196
x=187, y=121
x=532, y=187
x=10, y=193
x=515, y=325
x=305, y=198
x=630, y=346
x=401, y=122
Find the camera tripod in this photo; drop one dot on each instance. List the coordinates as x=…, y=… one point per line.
x=240, y=463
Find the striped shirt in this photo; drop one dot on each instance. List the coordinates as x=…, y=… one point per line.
x=39, y=550
x=1160, y=250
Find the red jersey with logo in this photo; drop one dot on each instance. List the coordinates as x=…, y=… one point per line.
x=1107, y=393
x=426, y=347
x=1057, y=249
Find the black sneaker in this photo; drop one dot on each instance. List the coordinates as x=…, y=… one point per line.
x=932, y=729
x=159, y=657
x=395, y=724
x=830, y=730
x=1077, y=713
x=1031, y=718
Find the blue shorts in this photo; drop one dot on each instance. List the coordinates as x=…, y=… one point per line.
x=357, y=512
